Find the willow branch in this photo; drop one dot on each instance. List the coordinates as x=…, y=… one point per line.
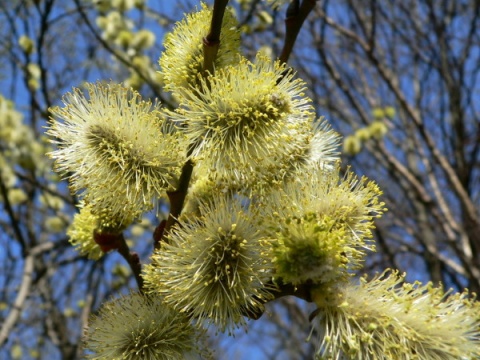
x=177, y=200
x=302, y=291
x=132, y=259
x=211, y=42
x=296, y=15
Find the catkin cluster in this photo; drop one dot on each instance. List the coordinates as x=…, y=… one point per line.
x=268, y=208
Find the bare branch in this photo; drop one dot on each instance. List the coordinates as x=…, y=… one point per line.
x=23, y=291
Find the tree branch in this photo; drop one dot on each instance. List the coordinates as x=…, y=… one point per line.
x=211, y=42
x=23, y=291
x=132, y=259
x=296, y=15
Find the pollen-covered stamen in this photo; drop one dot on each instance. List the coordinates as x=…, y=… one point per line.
x=124, y=156
x=227, y=256
x=320, y=147
x=313, y=248
x=248, y=118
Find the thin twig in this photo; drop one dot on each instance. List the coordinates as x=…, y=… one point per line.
x=132, y=259
x=177, y=200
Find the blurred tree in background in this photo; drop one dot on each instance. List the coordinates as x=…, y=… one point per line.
x=399, y=81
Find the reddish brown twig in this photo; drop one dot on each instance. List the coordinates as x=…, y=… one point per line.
x=116, y=241
x=296, y=15
x=211, y=42
x=133, y=261
x=177, y=200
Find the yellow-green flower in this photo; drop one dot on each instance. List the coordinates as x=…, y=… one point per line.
x=18, y=143
x=201, y=190
x=313, y=248
x=320, y=223
x=137, y=327
x=378, y=113
x=80, y=234
x=386, y=318
x=277, y=3
x=320, y=149
x=182, y=61
x=246, y=119
x=378, y=129
x=390, y=112
x=118, y=152
x=352, y=145
x=85, y=224
x=26, y=44
x=213, y=267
